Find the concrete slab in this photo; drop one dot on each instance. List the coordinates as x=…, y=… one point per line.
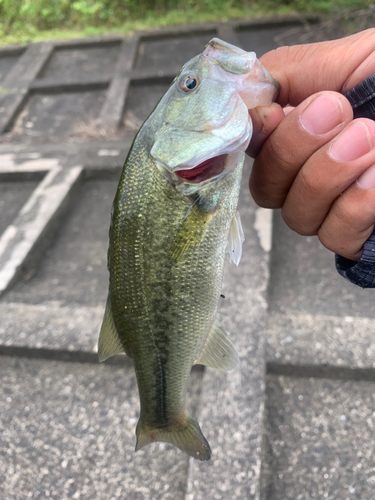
x=39, y=82
x=7, y=61
x=141, y=100
x=304, y=279
x=104, y=158
x=49, y=116
x=317, y=319
x=16, y=83
x=81, y=62
x=318, y=440
x=315, y=340
x=28, y=66
x=73, y=269
x=39, y=214
x=12, y=197
x=51, y=330
x=157, y=52
x=67, y=432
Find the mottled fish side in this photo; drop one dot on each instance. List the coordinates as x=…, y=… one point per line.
x=164, y=304
x=168, y=239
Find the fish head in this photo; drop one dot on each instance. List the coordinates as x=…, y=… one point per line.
x=204, y=116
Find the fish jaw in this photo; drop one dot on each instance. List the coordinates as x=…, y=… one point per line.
x=230, y=138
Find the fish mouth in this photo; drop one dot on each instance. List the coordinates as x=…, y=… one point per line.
x=212, y=167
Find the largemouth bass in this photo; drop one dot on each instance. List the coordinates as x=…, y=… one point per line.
x=174, y=218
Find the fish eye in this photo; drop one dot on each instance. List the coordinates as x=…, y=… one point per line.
x=189, y=83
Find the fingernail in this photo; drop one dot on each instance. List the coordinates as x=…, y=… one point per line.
x=367, y=179
x=353, y=143
x=322, y=115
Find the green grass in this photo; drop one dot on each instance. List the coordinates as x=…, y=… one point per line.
x=37, y=20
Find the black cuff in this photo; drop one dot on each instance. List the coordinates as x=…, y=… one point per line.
x=362, y=98
x=361, y=273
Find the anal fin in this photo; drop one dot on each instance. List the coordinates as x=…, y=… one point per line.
x=109, y=342
x=218, y=351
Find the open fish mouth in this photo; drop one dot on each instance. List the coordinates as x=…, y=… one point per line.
x=206, y=170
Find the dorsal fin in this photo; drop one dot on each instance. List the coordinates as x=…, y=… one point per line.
x=218, y=351
x=235, y=240
x=109, y=342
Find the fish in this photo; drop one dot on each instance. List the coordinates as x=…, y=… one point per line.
x=174, y=218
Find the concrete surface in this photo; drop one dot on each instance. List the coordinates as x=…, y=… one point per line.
x=67, y=432
x=294, y=422
x=304, y=279
x=81, y=62
x=12, y=197
x=318, y=440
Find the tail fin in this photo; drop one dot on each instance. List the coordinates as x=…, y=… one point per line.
x=187, y=436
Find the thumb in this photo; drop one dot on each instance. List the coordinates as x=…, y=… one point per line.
x=339, y=65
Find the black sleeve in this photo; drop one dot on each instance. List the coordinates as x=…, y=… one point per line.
x=361, y=273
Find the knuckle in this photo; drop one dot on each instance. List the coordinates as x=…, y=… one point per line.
x=296, y=223
x=311, y=183
x=262, y=199
x=343, y=232
x=350, y=218
x=280, y=153
x=326, y=240
x=344, y=214
x=265, y=191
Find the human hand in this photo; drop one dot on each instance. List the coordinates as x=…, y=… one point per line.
x=314, y=161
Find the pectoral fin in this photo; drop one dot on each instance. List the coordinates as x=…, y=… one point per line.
x=109, y=342
x=235, y=240
x=218, y=351
x=190, y=232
